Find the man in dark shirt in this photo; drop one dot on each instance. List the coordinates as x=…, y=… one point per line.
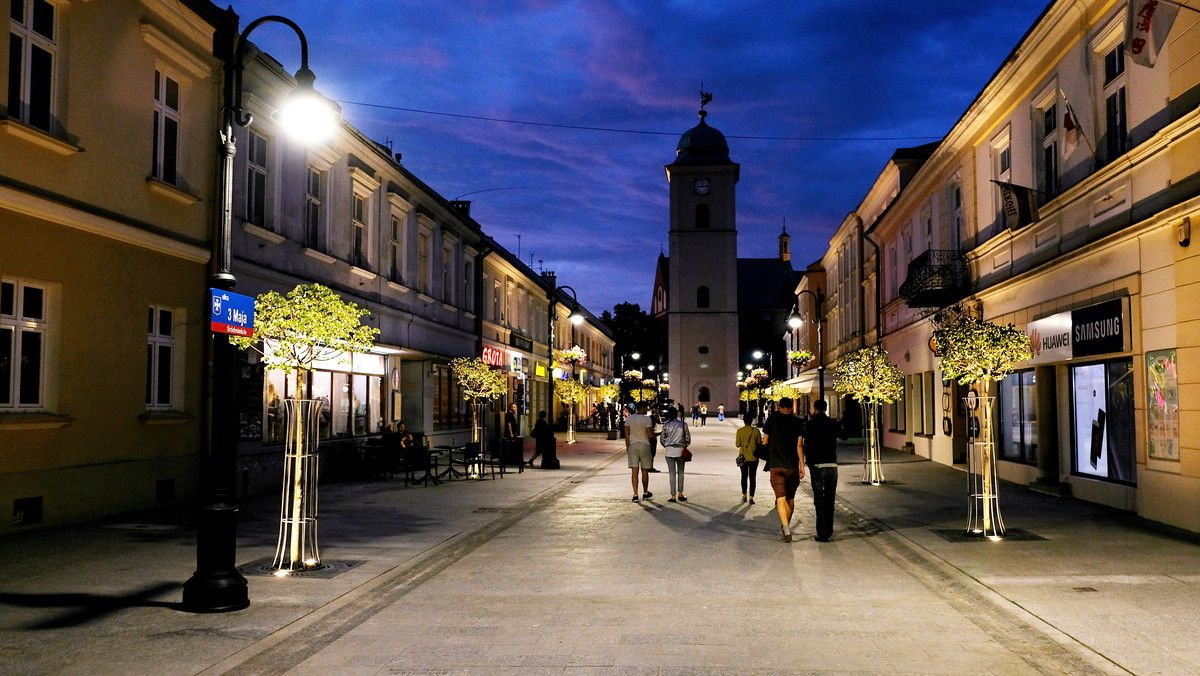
x=511, y=429
x=781, y=435
x=819, y=449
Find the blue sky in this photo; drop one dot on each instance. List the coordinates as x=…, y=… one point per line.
x=821, y=92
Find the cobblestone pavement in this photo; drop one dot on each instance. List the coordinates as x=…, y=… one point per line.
x=558, y=572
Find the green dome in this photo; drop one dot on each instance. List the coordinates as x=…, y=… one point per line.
x=702, y=144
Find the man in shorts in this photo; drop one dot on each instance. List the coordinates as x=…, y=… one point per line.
x=639, y=430
x=781, y=435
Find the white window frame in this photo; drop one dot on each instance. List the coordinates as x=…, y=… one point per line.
x=1108, y=40
x=258, y=178
x=1046, y=137
x=448, y=269
x=424, y=238
x=156, y=340
x=23, y=88
x=358, y=231
x=1001, y=146
x=20, y=324
x=166, y=169
x=314, y=200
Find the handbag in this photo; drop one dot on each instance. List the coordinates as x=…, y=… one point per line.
x=740, y=460
x=685, y=455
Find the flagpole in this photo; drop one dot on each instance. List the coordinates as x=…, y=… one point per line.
x=1078, y=125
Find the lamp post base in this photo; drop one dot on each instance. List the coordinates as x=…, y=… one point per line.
x=550, y=455
x=216, y=586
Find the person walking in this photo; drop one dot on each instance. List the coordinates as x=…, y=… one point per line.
x=721, y=413
x=781, y=434
x=748, y=440
x=703, y=414
x=639, y=429
x=675, y=438
x=542, y=436
x=695, y=413
x=819, y=450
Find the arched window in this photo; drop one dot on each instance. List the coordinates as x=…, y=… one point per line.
x=702, y=297
x=704, y=396
x=702, y=216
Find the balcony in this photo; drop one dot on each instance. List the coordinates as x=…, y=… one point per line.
x=937, y=278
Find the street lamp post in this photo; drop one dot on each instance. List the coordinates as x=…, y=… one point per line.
x=634, y=356
x=216, y=585
x=794, y=321
x=550, y=457
x=758, y=355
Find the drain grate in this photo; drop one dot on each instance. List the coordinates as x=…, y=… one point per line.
x=960, y=535
x=327, y=569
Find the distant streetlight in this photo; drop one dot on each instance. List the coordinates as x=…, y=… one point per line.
x=217, y=586
x=818, y=300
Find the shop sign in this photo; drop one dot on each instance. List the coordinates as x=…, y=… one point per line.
x=232, y=313
x=1098, y=329
x=1050, y=338
x=1085, y=332
x=520, y=342
x=492, y=356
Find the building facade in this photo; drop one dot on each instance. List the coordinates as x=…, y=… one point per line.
x=105, y=193
x=1061, y=202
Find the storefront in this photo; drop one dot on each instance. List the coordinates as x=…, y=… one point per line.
x=1088, y=350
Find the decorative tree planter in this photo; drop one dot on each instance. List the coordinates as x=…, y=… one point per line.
x=872, y=466
x=983, y=507
x=296, y=548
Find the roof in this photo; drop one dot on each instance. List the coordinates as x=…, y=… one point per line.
x=766, y=283
x=702, y=144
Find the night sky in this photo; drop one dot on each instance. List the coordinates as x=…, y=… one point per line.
x=557, y=118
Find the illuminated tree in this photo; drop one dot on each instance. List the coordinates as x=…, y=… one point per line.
x=479, y=383
x=570, y=392
x=869, y=376
x=973, y=351
x=311, y=323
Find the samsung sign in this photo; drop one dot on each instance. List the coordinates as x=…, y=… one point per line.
x=1092, y=330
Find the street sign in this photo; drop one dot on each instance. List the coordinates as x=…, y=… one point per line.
x=232, y=313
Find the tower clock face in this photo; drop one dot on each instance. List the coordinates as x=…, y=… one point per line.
x=702, y=186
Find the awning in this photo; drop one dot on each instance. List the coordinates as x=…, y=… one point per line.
x=809, y=382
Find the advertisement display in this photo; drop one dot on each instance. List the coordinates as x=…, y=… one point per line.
x=1162, y=405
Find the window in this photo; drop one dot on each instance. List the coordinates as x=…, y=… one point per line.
x=1001, y=170
x=1047, y=120
x=956, y=216
x=312, y=209
x=256, y=179
x=166, y=128
x=358, y=252
x=450, y=409
x=350, y=388
x=1018, y=418
x=160, y=356
x=396, y=274
x=448, y=275
x=32, y=52
x=702, y=297
x=1102, y=404
x=423, y=263
x=702, y=216
x=496, y=317
x=23, y=331
x=1116, y=135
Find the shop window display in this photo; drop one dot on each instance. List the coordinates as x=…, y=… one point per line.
x=1102, y=402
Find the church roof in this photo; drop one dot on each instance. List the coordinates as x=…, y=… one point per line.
x=766, y=283
x=702, y=144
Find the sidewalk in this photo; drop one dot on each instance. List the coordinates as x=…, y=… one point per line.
x=558, y=572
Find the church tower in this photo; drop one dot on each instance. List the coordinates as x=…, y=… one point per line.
x=702, y=303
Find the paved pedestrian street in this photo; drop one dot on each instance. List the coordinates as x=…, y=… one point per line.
x=558, y=572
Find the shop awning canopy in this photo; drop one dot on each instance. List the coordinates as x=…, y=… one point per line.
x=809, y=382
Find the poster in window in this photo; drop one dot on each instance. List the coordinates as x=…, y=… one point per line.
x=1162, y=405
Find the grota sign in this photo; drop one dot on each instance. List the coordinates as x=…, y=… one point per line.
x=492, y=356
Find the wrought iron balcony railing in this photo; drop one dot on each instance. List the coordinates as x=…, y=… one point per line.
x=936, y=278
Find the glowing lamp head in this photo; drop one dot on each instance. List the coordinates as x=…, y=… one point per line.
x=576, y=319
x=307, y=116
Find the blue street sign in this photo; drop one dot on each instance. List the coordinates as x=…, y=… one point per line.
x=232, y=313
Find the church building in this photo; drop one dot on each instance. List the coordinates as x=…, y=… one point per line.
x=717, y=310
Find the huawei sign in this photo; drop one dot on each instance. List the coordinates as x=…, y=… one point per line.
x=1050, y=338
x=1035, y=342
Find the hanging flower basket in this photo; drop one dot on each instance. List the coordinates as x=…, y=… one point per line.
x=574, y=355
x=800, y=357
x=633, y=374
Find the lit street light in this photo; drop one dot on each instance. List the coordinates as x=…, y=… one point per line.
x=217, y=586
x=550, y=456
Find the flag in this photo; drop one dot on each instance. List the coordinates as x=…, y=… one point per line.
x=1020, y=204
x=1147, y=23
x=1070, y=134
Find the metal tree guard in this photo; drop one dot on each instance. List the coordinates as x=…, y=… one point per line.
x=872, y=466
x=296, y=548
x=983, y=506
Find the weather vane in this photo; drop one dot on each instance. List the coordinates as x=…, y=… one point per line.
x=705, y=97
